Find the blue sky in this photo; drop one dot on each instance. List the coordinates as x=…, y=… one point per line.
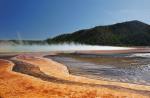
x=40, y=19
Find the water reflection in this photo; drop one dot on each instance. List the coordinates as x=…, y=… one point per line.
x=114, y=67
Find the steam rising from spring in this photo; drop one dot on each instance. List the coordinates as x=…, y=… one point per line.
x=9, y=46
x=55, y=47
x=19, y=38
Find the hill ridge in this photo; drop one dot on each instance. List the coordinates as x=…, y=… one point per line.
x=129, y=33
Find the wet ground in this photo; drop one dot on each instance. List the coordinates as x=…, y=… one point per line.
x=25, y=87
x=132, y=68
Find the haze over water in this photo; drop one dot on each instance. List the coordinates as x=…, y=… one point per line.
x=56, y=47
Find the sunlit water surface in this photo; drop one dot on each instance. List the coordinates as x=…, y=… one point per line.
x=132, y=68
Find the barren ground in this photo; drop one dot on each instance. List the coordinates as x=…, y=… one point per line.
x=37, y=77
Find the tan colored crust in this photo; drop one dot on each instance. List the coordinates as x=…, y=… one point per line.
x=17, y=85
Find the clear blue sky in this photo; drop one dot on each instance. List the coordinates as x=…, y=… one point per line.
x=40, y=19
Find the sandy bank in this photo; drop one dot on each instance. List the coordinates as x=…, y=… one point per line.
x=15, y=85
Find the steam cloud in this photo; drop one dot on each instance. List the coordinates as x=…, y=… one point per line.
x=10, y=47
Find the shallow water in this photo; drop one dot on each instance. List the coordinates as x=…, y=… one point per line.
x=132, y=68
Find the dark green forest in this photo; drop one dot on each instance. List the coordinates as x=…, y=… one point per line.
x=131, y=33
